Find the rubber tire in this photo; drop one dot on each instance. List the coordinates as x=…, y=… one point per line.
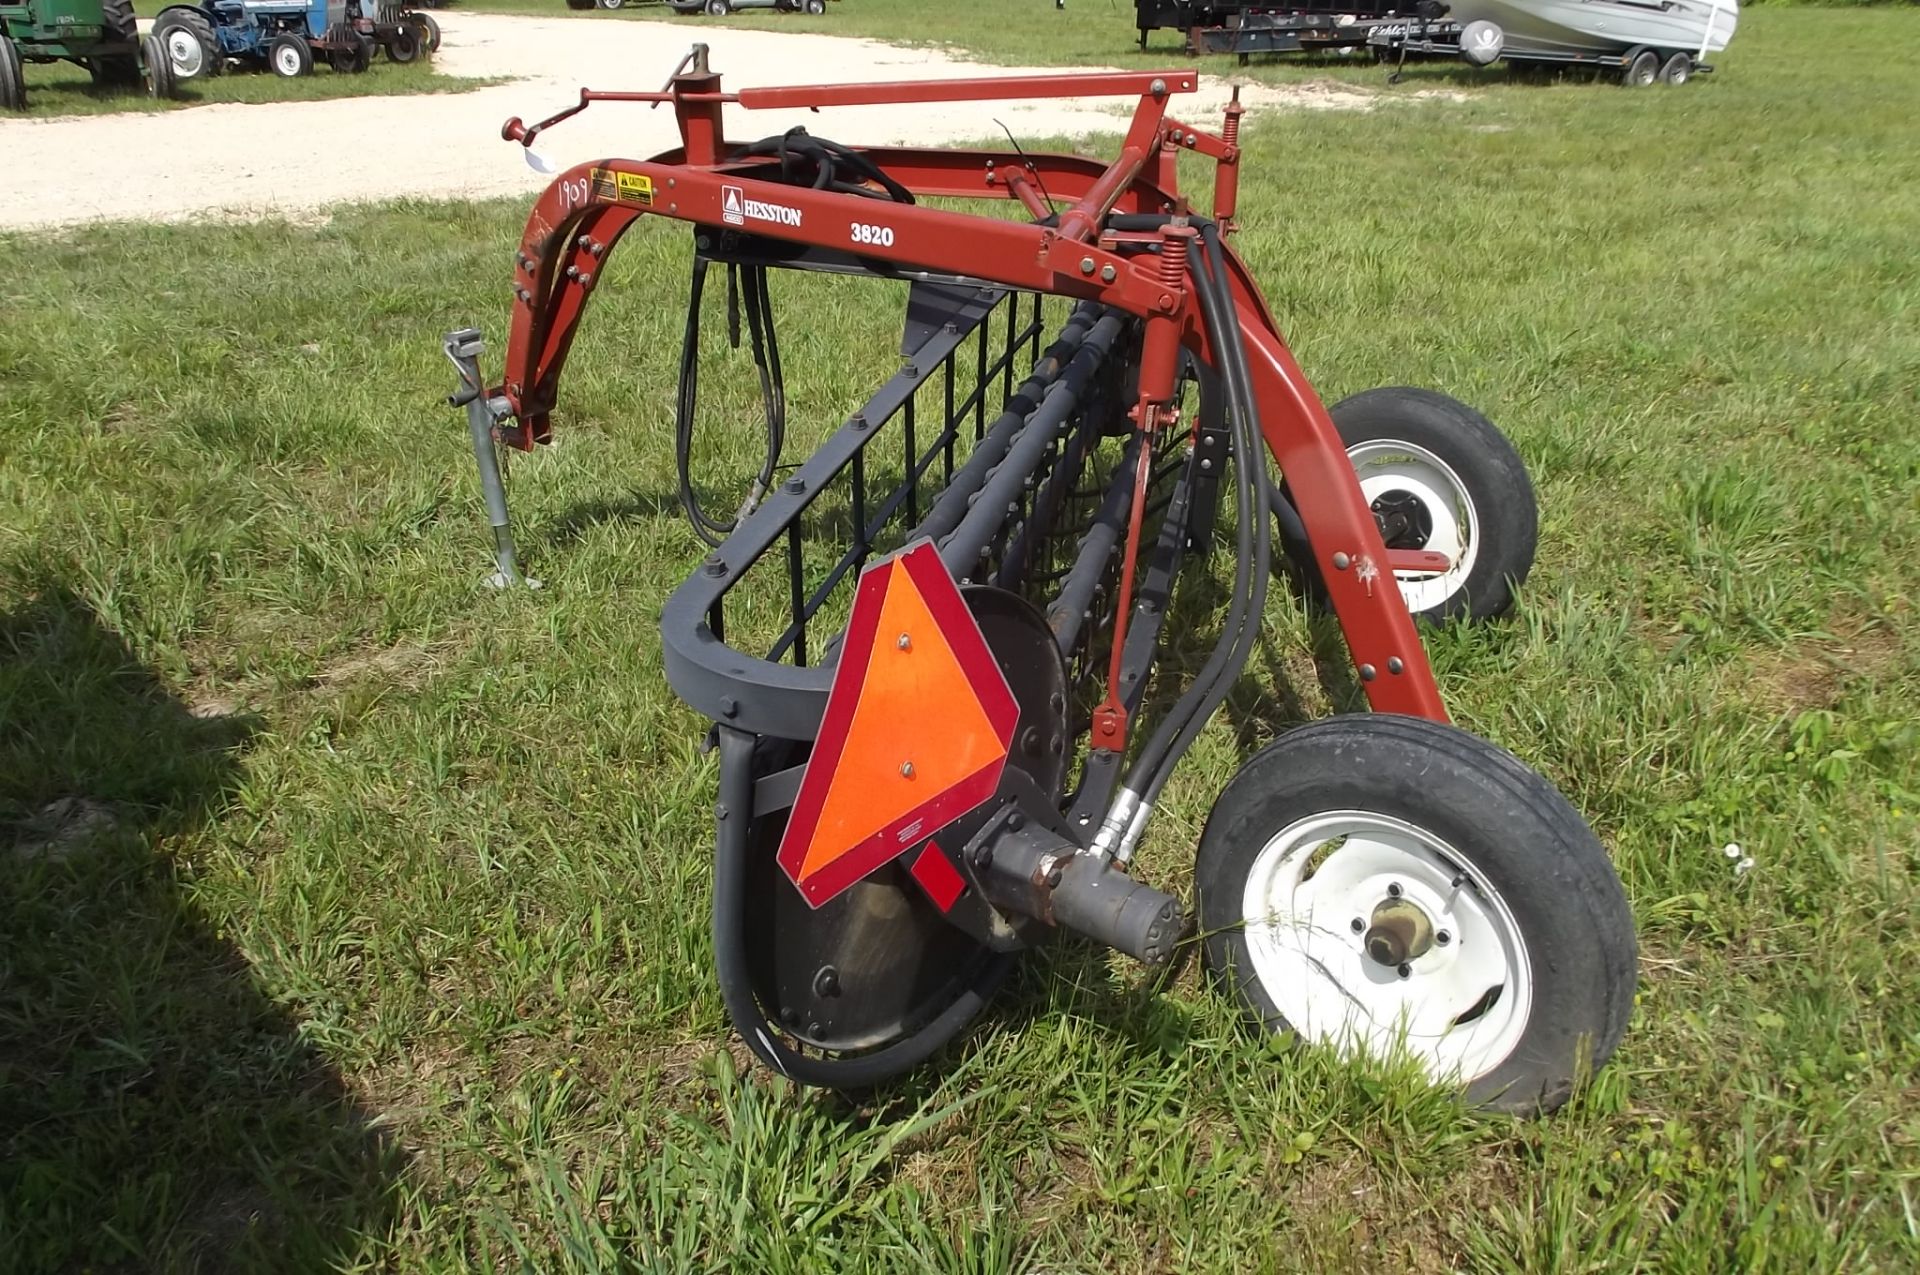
x=302, y=62
x=356, y=55
x=404, y=45
x=611, y=4
x=13, y=80
x=718, y=8
x=1643, y=68
x=816, y=7
x=1513, y=826
x=158, y=70
x=428, y=29
x=1486, y=464
x=196, y=24
x=120, y=71
x=1676, y=70
x=579, y=6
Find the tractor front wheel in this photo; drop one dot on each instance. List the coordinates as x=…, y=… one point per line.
x=191, y=46
x=13, y=83
x=161, y=85
x=404, y=45
x=351, y=54
x=290, y=56
x=427, y=29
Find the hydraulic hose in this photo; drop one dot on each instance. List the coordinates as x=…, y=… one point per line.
x=1177, y=731
x=1251, y=503
x=751, y=282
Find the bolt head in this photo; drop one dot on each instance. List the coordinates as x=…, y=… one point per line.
x=1086, y=265
x=1394, y=890
x=1443, y=938
x=1406, y=971
x=1394, y=664
x=1341, y=562
x=906, y=770
x=1108, y=274
x=906, y=642
x=1359, y=925
x=1367, y=672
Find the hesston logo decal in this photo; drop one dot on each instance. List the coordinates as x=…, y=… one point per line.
x=736, y=209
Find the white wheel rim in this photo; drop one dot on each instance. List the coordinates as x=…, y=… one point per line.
x=288, y=60
x=184, y=51
x=1388, y=465
x=1316, y=970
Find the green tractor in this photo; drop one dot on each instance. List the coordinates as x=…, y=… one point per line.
x=97, y=34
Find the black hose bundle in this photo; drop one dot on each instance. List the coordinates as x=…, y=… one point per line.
x=746, y=284
x=806, y=160
x=1247, y=602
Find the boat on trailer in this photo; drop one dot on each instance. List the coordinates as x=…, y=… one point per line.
x=1576, y=28
x=1645, y=41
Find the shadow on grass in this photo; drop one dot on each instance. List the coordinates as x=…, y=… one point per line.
x=157, y=1111
x=81, y=89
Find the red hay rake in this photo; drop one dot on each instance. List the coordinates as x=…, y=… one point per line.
x=948, y=753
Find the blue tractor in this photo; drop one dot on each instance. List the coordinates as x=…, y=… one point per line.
x=284, y=35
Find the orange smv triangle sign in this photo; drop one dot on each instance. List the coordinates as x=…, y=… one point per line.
x=916, y=733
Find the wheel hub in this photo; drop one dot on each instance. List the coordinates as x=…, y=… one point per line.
x=185, y=51
x=1400, y=932
x=1403, y=519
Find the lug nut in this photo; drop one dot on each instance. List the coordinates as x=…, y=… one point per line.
x=1443, y=938
x=1359, y=926
x=1393, y=890
x=1406, y=971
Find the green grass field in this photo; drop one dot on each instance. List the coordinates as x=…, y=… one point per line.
x=353, y=916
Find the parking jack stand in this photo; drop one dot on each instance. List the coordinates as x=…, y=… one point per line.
x=464, y=349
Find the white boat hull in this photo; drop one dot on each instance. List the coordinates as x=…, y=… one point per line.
x=1560, y=28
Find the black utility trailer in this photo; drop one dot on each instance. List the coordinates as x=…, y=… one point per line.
x=1247, y=27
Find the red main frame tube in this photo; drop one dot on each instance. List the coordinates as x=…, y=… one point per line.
x=583, y=213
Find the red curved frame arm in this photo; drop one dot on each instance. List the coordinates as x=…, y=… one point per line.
x=581, y=216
